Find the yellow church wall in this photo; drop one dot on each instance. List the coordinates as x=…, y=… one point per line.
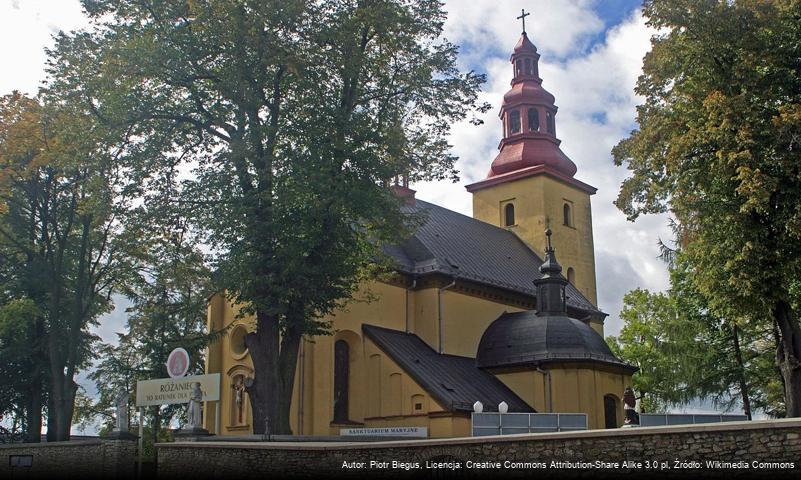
x=583, y=389
x=529, y=386
x=213, y=361
x=381, y=393
x=392, y=396
x=426, y=314
x=539, y=202
x=465, y=318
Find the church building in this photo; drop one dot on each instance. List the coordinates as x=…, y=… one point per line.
x=479, y=308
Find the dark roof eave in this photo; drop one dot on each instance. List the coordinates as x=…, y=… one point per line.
x=631, y=369
x=531, y=293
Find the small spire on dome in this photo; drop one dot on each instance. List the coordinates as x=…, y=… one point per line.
x=550, y=267
x=548, y=246
x=551, y=286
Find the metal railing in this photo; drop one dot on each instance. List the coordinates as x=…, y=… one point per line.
x=655, y=419
x=484, y=424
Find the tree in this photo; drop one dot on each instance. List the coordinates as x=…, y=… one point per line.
x=295, y=115
x=686, y=353
x=718, y=146
x=22, y=388
x=61, y=196
x=169, y=306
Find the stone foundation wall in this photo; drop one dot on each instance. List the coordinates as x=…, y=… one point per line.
x=766, y=448
x=80, y=459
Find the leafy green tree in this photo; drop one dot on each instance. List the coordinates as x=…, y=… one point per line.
x=169, y=297
x=22, y=386
x=718, y=146
x=60, y=199
x=295, y=115
x=686, y=353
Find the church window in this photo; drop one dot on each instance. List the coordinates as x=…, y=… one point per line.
x=418, y=403
x=514, y=121
x=237, y=345
x=533, y=120
x=528, y=66
x=567, y=215
x=549, y=123
x=610, y=411
x=341, y=381
x=509, y=215
x=519, y=65
x=394, y=400
x=571, y=276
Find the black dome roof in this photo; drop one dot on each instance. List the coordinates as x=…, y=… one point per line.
x=524, y=338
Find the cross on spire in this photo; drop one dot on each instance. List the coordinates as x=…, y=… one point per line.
x=522, y=17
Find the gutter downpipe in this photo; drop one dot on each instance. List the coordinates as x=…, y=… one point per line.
x=410, y=287
x=439, y=310
x=548, y=392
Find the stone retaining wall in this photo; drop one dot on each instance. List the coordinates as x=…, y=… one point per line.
x=769, y=448
x=79, y=459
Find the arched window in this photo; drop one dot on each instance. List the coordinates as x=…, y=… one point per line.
x=514, y=121
x=533, y=120
x=519, y=65
x=549, y=124
x=610, y=411
x=528, y=66
x=567, y=215
x=341, y=381
x=509, y=215
x=571, y=275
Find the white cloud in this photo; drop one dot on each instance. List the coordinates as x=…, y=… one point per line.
x=487, y=28
x=26, y=28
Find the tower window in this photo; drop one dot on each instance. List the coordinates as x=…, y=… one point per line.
x=341, y=380
x=509, y=214
x=568, y=215
x=533, y=120
x=514, y=121
x=528, y=66
x=519, y=65
x=571, y=276
x=549, y=123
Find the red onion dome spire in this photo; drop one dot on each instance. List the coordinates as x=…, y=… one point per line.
x=528, y=114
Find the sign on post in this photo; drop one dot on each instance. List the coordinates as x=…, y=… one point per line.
x=163, y=391
x=178, y=363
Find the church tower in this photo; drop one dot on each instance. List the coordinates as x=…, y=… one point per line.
x=531, y=186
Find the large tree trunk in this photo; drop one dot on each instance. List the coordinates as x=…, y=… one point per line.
x=274, y=364
x=52, y=433
x=263, y=345
x=788, y=355
x=33, y=421
x=738, y=356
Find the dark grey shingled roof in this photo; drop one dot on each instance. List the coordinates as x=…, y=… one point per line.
x=525, y=338
x=457, y=245
x=455, y=382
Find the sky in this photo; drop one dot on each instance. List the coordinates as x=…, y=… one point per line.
x=591, y=55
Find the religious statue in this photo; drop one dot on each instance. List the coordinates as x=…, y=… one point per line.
x=239, y=399
x=194, y=418
x=121, y=402
x=629, y=403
